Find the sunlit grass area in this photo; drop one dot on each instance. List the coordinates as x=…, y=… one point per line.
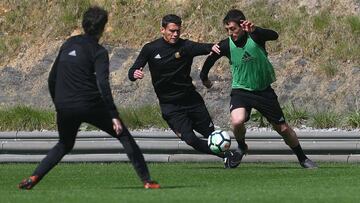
x=186, y=182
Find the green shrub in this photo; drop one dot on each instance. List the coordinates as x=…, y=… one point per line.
x=143, y=117
x=295, y=116
x=353, y=120
x=325, y=120
x=11, y=17
x=321, y=21
x=258, y=118
x=73, y=11
x=354, y=23
x=23, y=118
x=3, y=47
x=329, y=68
x=26, y=118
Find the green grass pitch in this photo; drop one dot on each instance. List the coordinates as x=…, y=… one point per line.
x=186, y=182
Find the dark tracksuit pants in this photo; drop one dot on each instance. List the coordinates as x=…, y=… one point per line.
x=189, y=114
x=69, y=121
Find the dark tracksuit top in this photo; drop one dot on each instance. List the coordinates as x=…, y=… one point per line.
x=170, y=67
x=79, y=77
x=260, y=36
x=79, y=86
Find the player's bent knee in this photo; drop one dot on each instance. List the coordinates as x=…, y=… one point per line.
x=282, y=128
x=237, y=122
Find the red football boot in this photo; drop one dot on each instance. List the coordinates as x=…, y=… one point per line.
x=151, y=184
x=28, y=183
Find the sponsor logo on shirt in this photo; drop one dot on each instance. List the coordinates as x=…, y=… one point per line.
x=157, y=56
x=177, y=55
x=72, y=53
x=247, y=57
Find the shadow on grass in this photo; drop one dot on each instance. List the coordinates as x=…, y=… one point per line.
x=252, y=168
x=219, y=168
x=163, y=187
x=244, y=166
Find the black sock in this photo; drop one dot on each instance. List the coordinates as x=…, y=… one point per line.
x=242, y=145
x=299, y=153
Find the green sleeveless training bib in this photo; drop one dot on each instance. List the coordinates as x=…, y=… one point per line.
x=251, y=69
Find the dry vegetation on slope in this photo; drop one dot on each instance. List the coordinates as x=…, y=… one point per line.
x=316, y=56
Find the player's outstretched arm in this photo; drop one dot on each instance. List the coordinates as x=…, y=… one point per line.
x=258, y=34
x=217, y=53
x=192, y=49
x=136, y=70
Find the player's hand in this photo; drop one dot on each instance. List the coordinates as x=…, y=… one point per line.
x=207, y=83
x=139, y=74
x=117, y=126
x=247, y=26
x=215, y=49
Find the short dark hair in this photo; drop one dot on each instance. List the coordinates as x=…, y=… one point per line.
x=94, y=20
x=234, y=15
x=170, y=18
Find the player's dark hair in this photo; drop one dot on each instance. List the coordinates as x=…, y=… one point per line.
x=94, y=20
x=170, y=18
x=234, y=15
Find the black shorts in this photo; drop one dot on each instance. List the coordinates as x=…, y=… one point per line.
x=188, y=115
x=264, y=101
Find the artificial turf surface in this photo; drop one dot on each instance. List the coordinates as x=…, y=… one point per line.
x=186, y=182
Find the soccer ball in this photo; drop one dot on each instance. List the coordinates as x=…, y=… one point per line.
x=219, y=141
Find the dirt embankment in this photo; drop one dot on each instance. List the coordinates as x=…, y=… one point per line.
x=299, y=81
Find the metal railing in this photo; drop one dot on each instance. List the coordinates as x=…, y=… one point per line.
x=164, y=146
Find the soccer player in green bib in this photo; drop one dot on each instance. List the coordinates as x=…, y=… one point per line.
x=252, y=76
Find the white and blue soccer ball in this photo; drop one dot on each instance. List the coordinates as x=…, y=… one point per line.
x=219, y=141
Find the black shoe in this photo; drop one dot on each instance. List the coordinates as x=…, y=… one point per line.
x=28, y=183
x=232, y=159
x=308, y=164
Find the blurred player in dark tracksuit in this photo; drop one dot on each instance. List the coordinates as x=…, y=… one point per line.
x=79, y=87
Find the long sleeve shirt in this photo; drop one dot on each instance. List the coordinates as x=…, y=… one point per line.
x=170, y=67
x=79, y=77
x=260, y=36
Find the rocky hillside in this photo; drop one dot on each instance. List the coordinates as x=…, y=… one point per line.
x=316, y=57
